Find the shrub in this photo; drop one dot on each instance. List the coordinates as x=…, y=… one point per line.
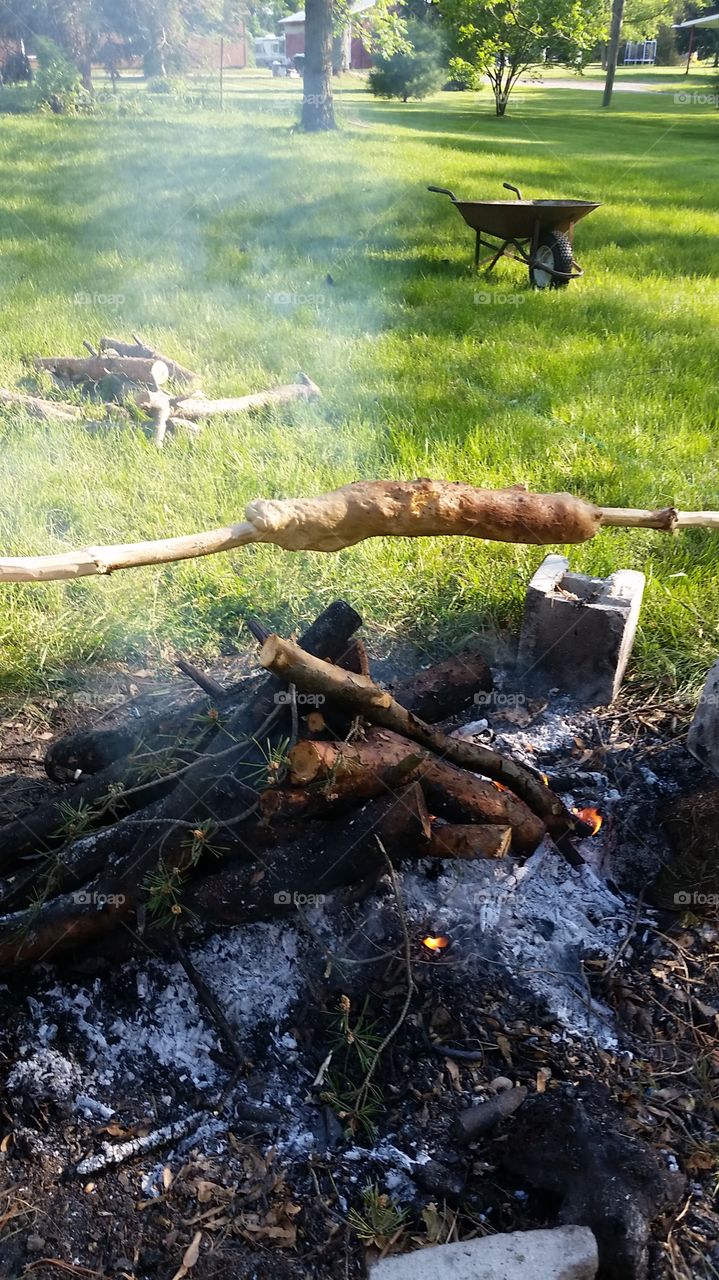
x=462, y=76
x=58, y=84
x=411, y=73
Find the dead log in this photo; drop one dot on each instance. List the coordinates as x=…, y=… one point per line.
x=46, y=410
x=89, y=751
x=184, y=427
x=461, y=797
x=200, y=678
x=475, y=1121
x=358, y=770
x=131, y=369
x=469, y=842
x=157, y=405
x=324, y=857
x=195, y=407
x=355, y=658
x=360, y=695
x=325, y=773
x=445, y=688
x=328, y=856
x=178, y=372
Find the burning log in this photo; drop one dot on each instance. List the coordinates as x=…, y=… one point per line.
x=358, y=770
x=461, y=797
x=89, y=751
x=363, y=697
x=193, y=407
x=328, y=772
x=137, y=348
x=328, y=856
x=132, y=369
x=445, y=688
x=355, y=658
x=469, y=842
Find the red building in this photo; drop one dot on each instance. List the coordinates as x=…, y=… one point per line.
x=356, y=56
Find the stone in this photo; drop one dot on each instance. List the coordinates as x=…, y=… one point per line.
x=565, y=1253
x=703, y=739
x=603, y=1179
x=578, y=632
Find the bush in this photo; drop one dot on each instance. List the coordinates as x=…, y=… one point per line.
x=414, y=72
x=58, y=84
x=462, y=76
x=159, y=84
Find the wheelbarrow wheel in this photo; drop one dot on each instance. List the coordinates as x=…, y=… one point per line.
x=554, y=253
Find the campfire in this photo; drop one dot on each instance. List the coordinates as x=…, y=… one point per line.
x=352, y=927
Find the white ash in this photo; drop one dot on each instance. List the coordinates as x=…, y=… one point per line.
x=252, y=971
x=534, y=923
x=45, y=1076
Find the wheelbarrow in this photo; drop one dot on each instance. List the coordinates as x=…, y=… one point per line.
x=539, y=233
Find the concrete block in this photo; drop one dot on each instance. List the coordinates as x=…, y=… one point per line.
x=566, y=1253
x=703, y=740
x=578, y=632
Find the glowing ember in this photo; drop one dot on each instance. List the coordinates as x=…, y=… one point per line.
x=545, y=779
x=592, y=817
x=500, y=786
x=435, y=944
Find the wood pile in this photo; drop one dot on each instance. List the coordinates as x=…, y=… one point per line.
x=290, y=783
x=127, y=376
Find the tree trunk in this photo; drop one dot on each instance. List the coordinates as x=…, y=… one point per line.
x=317, y=109
x=615, y=36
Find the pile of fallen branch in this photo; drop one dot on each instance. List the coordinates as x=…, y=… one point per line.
x=294, y=782
x=122, y=374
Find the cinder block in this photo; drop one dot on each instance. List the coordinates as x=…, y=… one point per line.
x=703, y=740
x=577, y=631
x=566, y=1253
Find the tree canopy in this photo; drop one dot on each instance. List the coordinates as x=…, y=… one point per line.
x=504, y=38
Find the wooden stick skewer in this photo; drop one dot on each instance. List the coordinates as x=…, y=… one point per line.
x=370, y=509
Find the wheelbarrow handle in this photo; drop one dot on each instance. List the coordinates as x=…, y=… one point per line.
x=443, y=191
x=509, y=187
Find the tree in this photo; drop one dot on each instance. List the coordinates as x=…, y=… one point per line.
x=317, y=106
x=615, y=36
x=504, y=39
x=412, y=72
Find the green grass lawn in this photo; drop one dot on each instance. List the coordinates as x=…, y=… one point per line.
x=214, y=234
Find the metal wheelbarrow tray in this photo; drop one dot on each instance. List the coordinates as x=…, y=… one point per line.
x=541, y=233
